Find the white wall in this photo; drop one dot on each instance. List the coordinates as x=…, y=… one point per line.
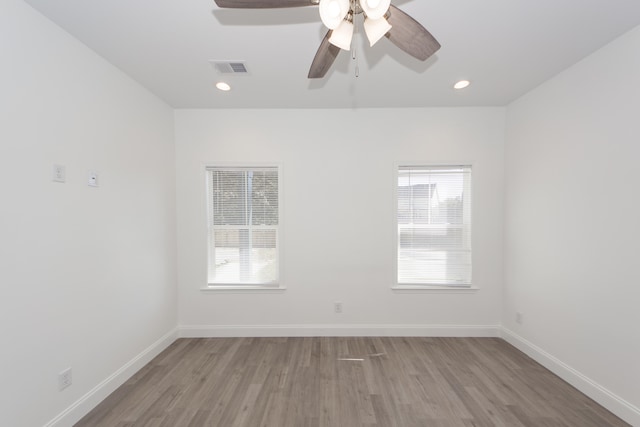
x=572, y=222
x=87, y=275
x=338, y=217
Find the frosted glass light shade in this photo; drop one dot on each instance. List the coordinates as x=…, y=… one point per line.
x=332, y=12
x=376, y=29
x=342, y=35
x=375, y=9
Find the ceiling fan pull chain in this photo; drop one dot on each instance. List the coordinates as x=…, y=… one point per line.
x=354, y=54
x=355, y=58
x=355, y=35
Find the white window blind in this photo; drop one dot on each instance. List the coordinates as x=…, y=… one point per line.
x=434, y=225
x=243, y=216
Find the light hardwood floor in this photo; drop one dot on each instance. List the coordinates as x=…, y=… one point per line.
x=346, y=382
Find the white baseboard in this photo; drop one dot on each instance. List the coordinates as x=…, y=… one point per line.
x=86, y=403
x=212, y=331
x=614, y=403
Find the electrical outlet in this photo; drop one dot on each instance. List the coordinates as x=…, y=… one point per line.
x=337, y=307
x=519, y=318
x=64, y=379
x=59, y=173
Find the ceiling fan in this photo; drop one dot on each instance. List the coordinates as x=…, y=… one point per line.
x=381, y=19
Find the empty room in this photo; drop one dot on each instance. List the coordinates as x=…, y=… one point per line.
x=299, y=213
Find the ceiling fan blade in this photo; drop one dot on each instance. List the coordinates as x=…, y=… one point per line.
x=410, y=36
x=263, y=4
x=324, y=58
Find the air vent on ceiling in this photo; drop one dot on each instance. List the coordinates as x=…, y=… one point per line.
x=230, y=67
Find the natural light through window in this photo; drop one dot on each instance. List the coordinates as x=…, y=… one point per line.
x=243, y=217
x=434, y=226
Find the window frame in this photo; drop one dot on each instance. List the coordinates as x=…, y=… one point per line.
x=230, y=286
x=423, y=287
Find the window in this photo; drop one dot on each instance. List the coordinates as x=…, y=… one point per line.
x=243, y=214
x=434, y=226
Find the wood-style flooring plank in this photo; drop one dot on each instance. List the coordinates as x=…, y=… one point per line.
x=346, y=382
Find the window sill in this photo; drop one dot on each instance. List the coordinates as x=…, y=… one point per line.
x=433, y=289
x=239, y=289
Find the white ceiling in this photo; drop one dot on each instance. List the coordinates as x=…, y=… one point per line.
x=505, y=47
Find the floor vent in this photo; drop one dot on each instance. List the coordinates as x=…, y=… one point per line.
x=230, y=67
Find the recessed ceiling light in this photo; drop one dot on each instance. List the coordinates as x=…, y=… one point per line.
x=461, y=84
x=223, y=86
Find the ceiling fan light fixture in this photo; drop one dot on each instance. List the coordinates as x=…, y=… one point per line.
x=342, y=35
x=376, y=29
x=332, y=12
x=375, y=9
